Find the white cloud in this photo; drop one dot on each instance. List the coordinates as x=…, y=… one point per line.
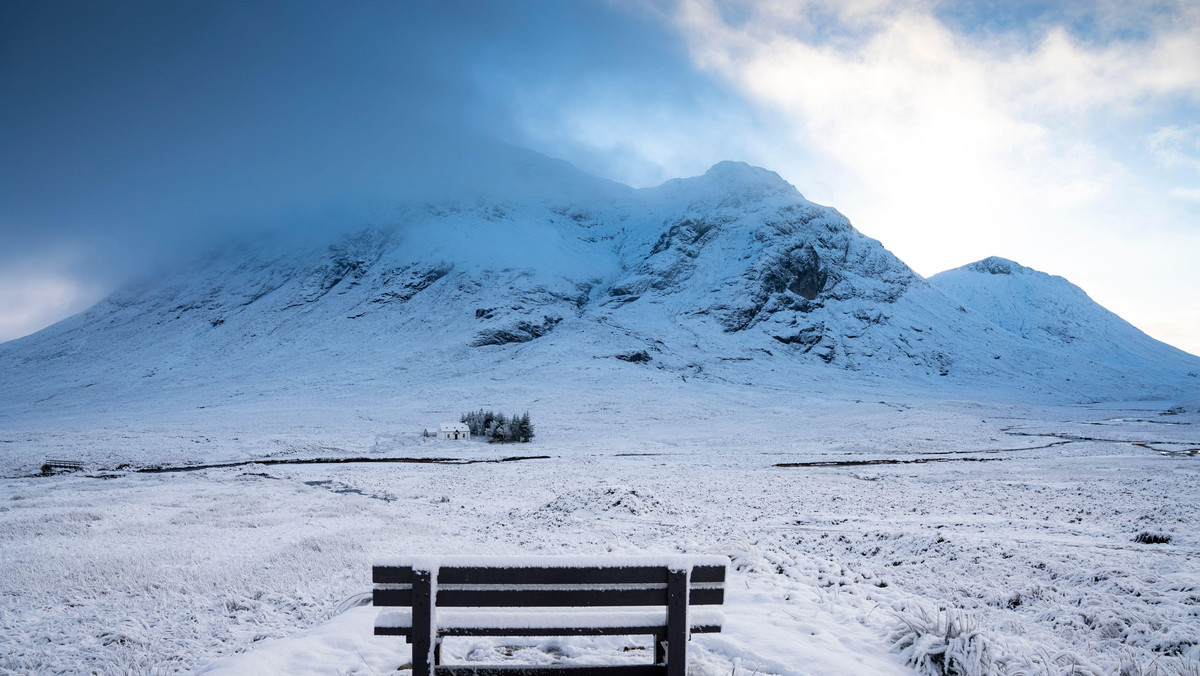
x=950, y=147
x=34, y=296
x=641, y=138
x=921, y=121
x=1066, y=75
x=1186, y=194
x=1174, y=146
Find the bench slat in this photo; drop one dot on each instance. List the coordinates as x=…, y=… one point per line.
x=391, y=574
x=547, y=598
x=708, y=596
x=617, y=670
x=550, y=631
x=708, y=573
x=547, y=575
x=391, y=597
x=450, y=619
x=554, y=575
x=565, y=598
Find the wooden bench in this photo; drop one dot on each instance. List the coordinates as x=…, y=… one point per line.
x=550, y=596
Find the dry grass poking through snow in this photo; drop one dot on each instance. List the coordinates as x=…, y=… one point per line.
x=1028, y=565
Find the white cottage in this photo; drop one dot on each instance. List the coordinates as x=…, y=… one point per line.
x=454, y=431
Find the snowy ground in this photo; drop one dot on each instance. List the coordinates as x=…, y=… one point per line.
x=1004, y=540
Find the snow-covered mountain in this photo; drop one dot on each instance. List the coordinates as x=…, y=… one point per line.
x=730, y=276
x=1053, y=313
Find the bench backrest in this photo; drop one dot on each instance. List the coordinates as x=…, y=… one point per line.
x=550, y=584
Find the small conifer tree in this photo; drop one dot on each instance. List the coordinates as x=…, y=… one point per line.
x=497, y=426
x=525, y=428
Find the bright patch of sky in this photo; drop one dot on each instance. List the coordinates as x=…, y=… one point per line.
x=1060, y=135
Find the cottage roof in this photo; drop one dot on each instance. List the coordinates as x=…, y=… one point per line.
x=454, y=427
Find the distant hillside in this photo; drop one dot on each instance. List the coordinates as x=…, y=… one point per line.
x=1054, y=314
x=727, y=277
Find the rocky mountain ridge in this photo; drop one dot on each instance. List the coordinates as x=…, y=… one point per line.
x=731, y=275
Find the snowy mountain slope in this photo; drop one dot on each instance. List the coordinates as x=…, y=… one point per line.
x=1051, y=312
x=729, y=277
x=739, y=253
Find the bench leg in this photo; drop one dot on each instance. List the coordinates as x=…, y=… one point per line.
x=422, y=622
x=677, y=622
x=437, y=651
x=660, y=649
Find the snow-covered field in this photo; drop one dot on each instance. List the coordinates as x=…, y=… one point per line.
x=714, y=365
x=1002, y=542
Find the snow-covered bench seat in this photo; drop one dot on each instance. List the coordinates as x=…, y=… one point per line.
x=431, y=598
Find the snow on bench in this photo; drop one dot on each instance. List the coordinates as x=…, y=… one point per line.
x=549, y=596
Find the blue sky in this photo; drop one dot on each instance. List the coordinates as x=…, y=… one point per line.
x=1065, y=136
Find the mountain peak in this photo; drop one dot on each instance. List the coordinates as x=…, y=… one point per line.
x=995, y=265
x=1051, y=312
x=734, y=170
x=740, y=175
x=729, y=179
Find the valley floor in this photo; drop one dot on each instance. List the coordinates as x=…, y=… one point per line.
x=1002, y=541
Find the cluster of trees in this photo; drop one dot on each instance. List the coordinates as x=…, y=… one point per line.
x=499, y=427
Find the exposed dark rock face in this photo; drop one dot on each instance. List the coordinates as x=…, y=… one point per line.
x=672, y=259
x=806, y=338
x=521, y=332
x=806, y=267
x=641, y=356
x=404, y=283
x=685, y=236
x=995, y=266
x=349, y=259
x=798, y=271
